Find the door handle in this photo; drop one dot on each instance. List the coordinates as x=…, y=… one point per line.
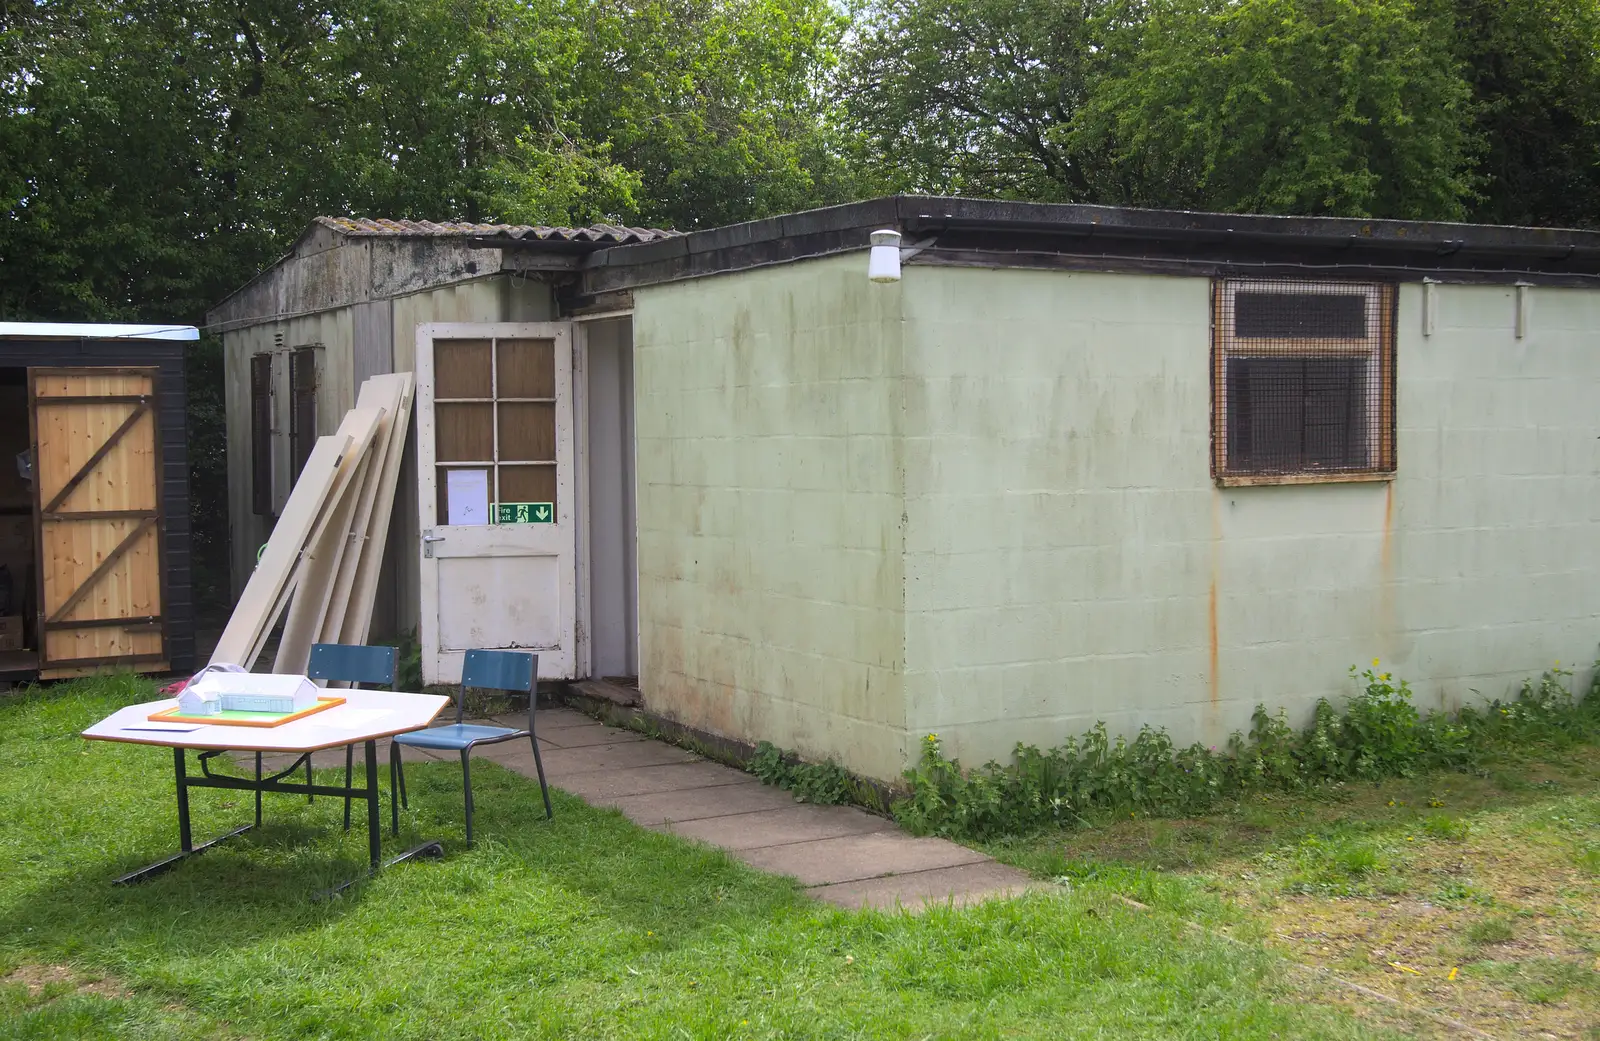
x=428, y=539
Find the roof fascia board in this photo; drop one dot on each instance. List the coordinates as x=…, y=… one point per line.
x=1120, y=236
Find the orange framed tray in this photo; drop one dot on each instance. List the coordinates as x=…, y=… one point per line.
x=247, y=719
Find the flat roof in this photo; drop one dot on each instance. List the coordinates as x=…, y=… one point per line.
x=992, y=233
x=94, y=331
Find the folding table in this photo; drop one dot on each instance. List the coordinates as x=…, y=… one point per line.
x=365, y=717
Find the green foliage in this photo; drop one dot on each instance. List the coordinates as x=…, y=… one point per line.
x=968, y=97
x=1390, y=108
x=1444, y=826
x=154, y=156
x=1341, y=107
x=1377, y=734
x=827, y=784
x=1534, y=69
x=582, y=926
x=1589, y=859
x=1490, y=930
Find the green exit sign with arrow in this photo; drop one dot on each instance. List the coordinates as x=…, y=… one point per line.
x=525, y=513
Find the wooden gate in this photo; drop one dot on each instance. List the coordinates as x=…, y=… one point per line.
x=97, y=505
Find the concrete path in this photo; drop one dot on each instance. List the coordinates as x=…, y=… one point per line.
x=841, y=854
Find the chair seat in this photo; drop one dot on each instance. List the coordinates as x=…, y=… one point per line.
x=461, y=735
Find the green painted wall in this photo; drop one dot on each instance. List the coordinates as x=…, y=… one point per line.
x=769, y=503
x=978, y=503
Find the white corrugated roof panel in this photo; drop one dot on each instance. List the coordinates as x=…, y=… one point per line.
x=95, y=331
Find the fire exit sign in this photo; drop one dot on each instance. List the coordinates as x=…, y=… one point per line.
x=525, y=513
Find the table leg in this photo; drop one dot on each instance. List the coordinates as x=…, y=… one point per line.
x=185, y=838
x=374, y=829
x=187, y=848
x=258, y=789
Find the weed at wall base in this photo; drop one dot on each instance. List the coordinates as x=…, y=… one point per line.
x=1378, y=734
x=826, y=784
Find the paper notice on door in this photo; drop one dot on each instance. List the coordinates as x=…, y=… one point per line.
x=467, y=492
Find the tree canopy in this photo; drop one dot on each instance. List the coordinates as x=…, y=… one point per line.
x=156, y=153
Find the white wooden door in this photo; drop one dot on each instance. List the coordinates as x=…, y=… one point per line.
x=496, y=494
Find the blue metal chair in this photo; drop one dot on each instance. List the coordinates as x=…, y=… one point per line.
x=347, y=663
x=486, y=670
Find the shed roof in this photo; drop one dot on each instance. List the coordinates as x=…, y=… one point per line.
x=596, y=234
x=998, y=233
x=94, y=331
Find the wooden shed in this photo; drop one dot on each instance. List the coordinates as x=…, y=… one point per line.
x=94, y=500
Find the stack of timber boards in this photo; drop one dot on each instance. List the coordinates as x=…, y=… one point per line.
x=323, y=558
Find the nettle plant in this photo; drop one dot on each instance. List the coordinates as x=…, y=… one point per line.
x=1376, y=733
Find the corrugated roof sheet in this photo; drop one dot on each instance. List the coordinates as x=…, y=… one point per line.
x=599, y=234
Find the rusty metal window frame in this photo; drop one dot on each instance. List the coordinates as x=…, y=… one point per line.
x=1279, y=367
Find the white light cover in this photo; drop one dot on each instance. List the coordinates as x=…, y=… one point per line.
x=883, y=265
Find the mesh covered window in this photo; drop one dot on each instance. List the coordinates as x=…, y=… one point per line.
x=1303, y=381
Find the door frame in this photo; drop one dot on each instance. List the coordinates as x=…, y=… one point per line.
x=427, y=484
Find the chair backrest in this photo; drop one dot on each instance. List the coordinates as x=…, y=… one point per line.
x=354, y=664
x=500, y=670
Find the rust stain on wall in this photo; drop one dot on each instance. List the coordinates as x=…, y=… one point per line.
x=1211, y=605
x=1386, y=575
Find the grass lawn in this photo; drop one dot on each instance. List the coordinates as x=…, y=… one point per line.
x=585, y=927
x=1474, y=896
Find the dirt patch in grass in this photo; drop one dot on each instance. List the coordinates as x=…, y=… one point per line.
x=52, y=981
x=1474, y=897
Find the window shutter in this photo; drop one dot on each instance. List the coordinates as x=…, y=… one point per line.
x=261, y=434
x=302, y=406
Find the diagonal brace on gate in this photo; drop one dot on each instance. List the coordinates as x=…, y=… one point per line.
x=106, y=565
x=100, y=453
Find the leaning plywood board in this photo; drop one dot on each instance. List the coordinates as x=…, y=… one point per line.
x=358, y=620
x=282, y=552
x=320, y=561
x=386, y=392
x=284, y=596
x=314, y=575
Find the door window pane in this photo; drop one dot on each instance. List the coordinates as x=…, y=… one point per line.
x=461, y=369
x=527, y=431
x=525, y=368
x=464, y=432
x=528, y=484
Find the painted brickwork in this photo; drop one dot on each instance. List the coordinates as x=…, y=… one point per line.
x=979, y=503
x=769, y=502
x=1068, y=558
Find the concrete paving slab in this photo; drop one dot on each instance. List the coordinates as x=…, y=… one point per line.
x=588, y=737
x=567, y=762
x=851, y=858
x=650, y=780
x=700, y=803
x=797, y=823
x=844, y=855
x=961, y=885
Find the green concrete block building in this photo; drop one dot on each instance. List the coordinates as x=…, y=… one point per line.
x=1066, y=464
